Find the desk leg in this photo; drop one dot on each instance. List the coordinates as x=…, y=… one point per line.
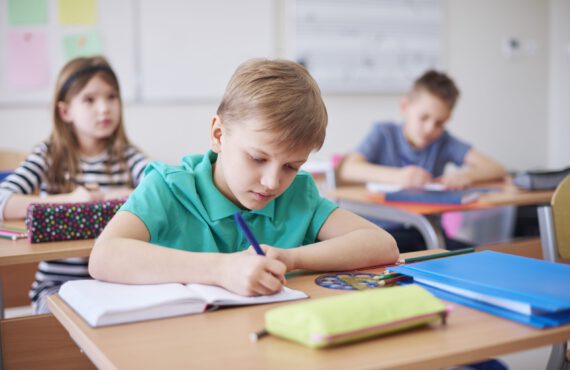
x=558, y=360
x=429, y=232
x=1, y=318
x=435, y=223
x=547, y=237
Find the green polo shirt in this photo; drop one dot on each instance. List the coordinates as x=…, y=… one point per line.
x=182, y=208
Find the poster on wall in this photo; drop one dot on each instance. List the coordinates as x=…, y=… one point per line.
x=37, y=37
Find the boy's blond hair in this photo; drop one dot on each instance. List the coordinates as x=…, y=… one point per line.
x=283, y=95
x=439, y=85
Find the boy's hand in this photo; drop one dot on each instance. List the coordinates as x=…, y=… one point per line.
x=414, y=177
x=249, y=274
x=283, y=255
x=87, y=193
x=455, y=180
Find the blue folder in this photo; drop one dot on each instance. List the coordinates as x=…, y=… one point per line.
x=434, y=196
x=541, y=286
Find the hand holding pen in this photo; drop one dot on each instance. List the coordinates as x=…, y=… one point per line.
x=248, y=234
x=271, y=252
x=271, y=265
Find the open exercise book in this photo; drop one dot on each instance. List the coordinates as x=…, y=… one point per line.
x=100, y=303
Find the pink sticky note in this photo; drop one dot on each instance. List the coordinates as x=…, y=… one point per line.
x=28, y=65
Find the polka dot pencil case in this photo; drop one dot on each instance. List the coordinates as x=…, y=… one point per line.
x=69, y=221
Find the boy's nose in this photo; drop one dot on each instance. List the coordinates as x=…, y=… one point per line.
x=270, y=180
x=430, y=127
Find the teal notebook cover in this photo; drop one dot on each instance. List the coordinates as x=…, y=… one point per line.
x=527, y=290
x=434, y=196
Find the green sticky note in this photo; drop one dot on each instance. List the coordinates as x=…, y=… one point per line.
x=77, y=12
x=82, y=45
x=27, y=12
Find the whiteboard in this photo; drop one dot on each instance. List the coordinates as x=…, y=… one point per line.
x=365, y=46
x=189, y=49
x=115, y=25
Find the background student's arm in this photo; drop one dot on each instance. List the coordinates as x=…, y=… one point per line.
x=136, y=163
x=477, y=167
x=123, y=254
x=17, y=204
x=355, y=168
x=117, y=193
x=347, y=242
x=19, y=189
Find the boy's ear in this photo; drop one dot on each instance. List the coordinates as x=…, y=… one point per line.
x=404, y=103
x=216, y=134
x=63, y=110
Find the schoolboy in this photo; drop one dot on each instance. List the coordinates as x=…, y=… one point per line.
x=178, y=225
x=416, y=152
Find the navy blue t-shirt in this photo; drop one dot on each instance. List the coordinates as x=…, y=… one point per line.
x=386, y=145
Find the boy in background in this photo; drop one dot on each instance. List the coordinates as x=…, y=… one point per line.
x=415, y=153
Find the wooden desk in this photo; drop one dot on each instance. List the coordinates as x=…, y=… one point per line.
x=14, y=252
x=219, y=339
x=357, y=199
x=21, y=252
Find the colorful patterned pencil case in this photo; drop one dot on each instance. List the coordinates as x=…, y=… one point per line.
x=51, y=222
x=355, y=316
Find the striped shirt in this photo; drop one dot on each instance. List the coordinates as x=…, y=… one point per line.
x=30, y=177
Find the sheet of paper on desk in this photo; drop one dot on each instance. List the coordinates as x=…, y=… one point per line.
x=382, y=187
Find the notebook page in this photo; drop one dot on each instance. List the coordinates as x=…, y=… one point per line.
x=222, y=297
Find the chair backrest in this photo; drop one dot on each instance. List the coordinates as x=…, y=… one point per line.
x=10, y=159
x=561, y=215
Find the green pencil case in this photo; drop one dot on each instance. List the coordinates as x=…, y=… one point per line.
x=354, y=316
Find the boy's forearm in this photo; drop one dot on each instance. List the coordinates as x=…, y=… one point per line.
x=487, y=172
x=131, y=261
x=364, y=172
x=354, y=250
x=479, y=167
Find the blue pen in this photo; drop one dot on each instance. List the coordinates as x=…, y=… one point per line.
x=248, y=234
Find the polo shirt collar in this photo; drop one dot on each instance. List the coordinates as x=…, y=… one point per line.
x=215, y=203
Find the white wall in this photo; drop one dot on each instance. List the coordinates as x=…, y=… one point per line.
x=504, y=108
x=559, y=79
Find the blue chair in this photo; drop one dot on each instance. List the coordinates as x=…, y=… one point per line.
x=4, y=174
